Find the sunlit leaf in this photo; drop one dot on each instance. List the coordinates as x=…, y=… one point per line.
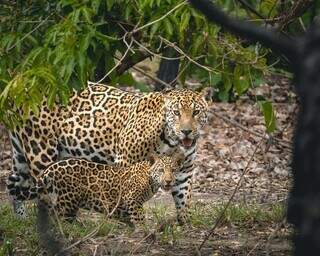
x=269, y=115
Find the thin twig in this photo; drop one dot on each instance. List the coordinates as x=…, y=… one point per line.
x=179, y=50
x=118, y=64
x=95, y=249
x=161, y=18
x=28, y=34
x=140, y=242
x=88, y=236
x=156, y=54
x=155, y=79
x=179, y=74
x=231, y=197
x=269, y=237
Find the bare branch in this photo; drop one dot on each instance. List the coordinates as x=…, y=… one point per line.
x=298, y=9
x=132, y=60
x=119, y=63
x=28, y=34
x=161, y=18
x=179, y=50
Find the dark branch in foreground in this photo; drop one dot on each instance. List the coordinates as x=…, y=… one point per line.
x=251, y=9
x=247, y=30
x=304, y=198
x=46, y=234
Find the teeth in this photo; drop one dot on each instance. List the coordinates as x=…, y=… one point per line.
x=187, y=142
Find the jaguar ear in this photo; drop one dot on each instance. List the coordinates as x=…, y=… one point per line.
x=207, y=94
x=167, y=99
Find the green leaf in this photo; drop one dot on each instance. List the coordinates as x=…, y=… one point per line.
x=196, y=45
x=87, y=13
x=154, y=28
x=269, y=115
x=223, y=96
x=215, y=79
x=142, y=87
x=185, y=18
x=126, y=79
x=84, y=42
x=240, y=81
x=110, y=3
x=52, y=97
x=168, y=27
x=227, y=83
x=127, y=12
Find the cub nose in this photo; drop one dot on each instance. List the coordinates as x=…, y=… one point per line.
x=186, y=132
x=168, y=182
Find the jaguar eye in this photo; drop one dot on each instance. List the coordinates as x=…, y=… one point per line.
x=176, y=112
x=196, y=112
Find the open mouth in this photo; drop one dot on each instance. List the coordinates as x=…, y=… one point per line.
x=187, y=143
x=166, y=187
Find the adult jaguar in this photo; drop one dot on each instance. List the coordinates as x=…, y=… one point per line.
x=107, y=125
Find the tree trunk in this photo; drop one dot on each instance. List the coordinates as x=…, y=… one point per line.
x=168, y=69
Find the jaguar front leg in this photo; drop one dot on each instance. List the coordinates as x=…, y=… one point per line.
x=136, y=213
x=182, y=195
x=181, y=192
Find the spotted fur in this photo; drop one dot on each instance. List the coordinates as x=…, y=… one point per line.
x=107, y=125
x=68, y=185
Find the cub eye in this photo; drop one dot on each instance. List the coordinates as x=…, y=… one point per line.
x=176, y=112
x=196, y=112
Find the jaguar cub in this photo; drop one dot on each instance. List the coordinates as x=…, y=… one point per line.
x=75, y=183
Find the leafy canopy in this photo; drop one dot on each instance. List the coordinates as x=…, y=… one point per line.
x=49, y=47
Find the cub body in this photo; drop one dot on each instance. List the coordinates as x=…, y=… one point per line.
x=71, y=184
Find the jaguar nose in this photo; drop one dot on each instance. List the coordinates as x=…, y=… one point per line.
x=186, y=132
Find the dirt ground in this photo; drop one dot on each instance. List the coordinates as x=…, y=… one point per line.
x=226, y=145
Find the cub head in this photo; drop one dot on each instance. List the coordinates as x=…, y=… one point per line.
x=163, y=169
x=185, y=115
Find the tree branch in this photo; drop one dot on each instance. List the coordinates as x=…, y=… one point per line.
x=298, y=9
x=130, y=61
x=247, y=30
x=251, y=9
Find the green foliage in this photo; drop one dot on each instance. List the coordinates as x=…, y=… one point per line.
x=17, y=232
x=47, y=48
x=269, y=115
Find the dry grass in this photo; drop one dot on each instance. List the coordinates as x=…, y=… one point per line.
x=256, y=228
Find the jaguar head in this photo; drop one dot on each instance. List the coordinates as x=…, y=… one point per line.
x=164, y=168
x=186, y=114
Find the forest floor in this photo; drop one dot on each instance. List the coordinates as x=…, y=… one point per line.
x=233, y=148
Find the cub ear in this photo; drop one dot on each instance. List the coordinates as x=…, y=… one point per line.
x=207, y=94
x=152, y=158
x=179, y=158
